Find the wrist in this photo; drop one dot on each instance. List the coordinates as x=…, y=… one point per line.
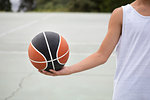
x=70, y=70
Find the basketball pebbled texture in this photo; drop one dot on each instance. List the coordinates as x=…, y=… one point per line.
x=48, y=50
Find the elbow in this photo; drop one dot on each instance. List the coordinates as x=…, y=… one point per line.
x=102, y=58
x=105, y=61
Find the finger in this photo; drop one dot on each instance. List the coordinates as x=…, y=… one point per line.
x=48, y=73
x=40, y=71
x=53, y=71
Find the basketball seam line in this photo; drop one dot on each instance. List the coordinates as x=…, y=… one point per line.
x=41, y=54
x=49, y=50
x=50, y=60
x=58, y=48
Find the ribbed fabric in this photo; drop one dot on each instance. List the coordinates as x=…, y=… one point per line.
x=132, y=78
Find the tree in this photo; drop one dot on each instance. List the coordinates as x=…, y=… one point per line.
x=5, y=5
x=27, y=5
x=80, y=5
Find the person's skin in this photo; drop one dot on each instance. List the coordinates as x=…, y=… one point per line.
x=108, y=44
x=142, y=6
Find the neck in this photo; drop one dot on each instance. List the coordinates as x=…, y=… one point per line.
x=143, y=2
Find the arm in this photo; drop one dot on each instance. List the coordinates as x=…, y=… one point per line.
x=103, y=53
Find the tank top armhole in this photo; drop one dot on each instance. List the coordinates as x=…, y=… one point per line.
x=123, y=28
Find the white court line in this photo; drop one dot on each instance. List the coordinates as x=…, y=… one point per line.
x=70, y=44
x=84, y=43
x=19, y=28
x=23, y=26
x=25, y=52
x=13, y=52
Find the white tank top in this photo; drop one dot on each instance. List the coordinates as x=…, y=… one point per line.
x=132, y=78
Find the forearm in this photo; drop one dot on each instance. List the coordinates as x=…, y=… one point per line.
x=90, y=62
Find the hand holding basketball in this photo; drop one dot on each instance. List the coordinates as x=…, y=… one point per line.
x=63, y=71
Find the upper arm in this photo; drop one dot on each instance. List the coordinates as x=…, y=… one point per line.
x=113, y=34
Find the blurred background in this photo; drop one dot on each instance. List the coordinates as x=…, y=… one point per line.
x=61, y=5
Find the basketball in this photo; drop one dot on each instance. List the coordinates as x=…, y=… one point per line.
x=48, y=50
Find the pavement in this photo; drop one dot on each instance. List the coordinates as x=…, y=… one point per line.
x=84, y=32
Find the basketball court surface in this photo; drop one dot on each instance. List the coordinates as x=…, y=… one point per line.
x=84, y=32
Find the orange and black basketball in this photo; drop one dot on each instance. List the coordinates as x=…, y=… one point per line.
x=48, y=50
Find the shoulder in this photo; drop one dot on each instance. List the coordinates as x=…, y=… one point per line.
x=117, y=15
x=117, y=10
